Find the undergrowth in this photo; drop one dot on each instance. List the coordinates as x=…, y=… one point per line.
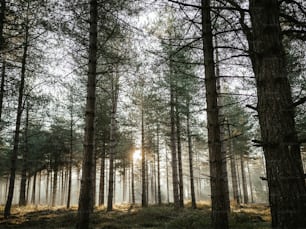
x=134, y=217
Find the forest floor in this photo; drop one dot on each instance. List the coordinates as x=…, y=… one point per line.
x=124, y=216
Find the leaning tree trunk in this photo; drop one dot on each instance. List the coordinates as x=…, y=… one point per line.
x=7, y=210
x=287, y=191
x=218, y=175
x=85, y=199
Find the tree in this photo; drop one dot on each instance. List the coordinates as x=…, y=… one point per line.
x=287, y=191
x=217, y=160
x=7, y=210
x=85, y=200
x=2, y=22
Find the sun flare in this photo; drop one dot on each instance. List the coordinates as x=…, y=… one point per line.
x=137, y=155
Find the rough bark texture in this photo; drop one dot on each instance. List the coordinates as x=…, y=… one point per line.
x=85, y=199
x=218, y=175
x=190, y=153
x=7, y=210
x=287, y=191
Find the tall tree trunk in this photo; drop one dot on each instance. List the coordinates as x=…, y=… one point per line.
x=244, y=182
x=70, y=154
x=85, y=199
x=8, y=205
x=54, y=186
x=144, y=198
x=47, y=186
x=133, y=182
x=112, y=172
x=124, y=190
x=102, y=175
x=250, y=181
x=33, y=198
x=218, y=175
x=190, y=154
x=39, y=187
x=158, y=167
x=233, y=166
x=167, y=176
x=179, y=151
x=175, y=181
x=23, y=182
x=287, y=191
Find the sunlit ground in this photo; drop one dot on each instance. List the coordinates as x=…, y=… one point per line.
x=127, y=216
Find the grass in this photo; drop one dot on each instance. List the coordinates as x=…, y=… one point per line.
x=127, y=217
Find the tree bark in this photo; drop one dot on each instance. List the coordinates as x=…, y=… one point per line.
x=7, y=210
x=85, y=199
x=287, y=191
x=218, y=175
